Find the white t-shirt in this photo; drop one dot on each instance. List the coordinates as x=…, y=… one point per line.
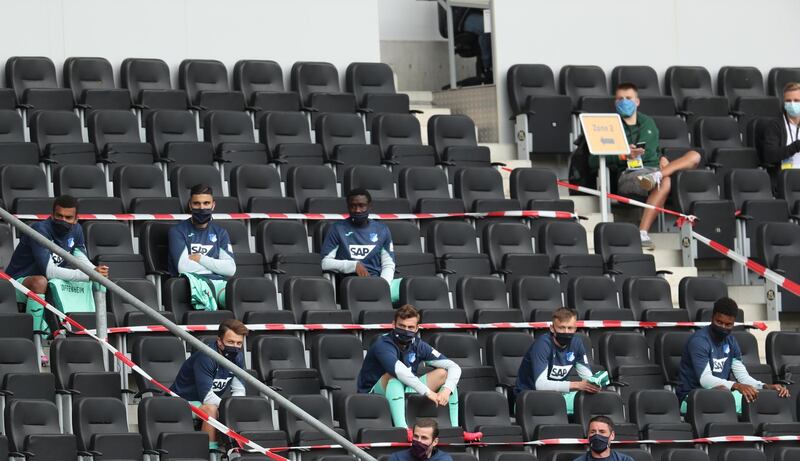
x=792, y=135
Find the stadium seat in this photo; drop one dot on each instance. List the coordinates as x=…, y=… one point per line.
x=338, y=359
x=312, y=300
x=6, y=245
x=124, y=314
x=778, y=77
x=536, y=297
x=34, y=81
x=564, y=455
x=177, y=299
x=19, y=372
x=142, y=190
x=454, y=245
x=59, y=137
x=426, y=190
x=586, y=86
x=532, y=94
x=88, y=185
x=751, y=193
x=251, y=417
x=769, y=415
x=481, y=189
x=33, y=429
x=372, y=84
x=162, y=357
x=649, y=299
x=668, y=352
x=464, y=350
x=148, y=81
x=13, y=148
x=744, y=88
x=367, y=298
x=101, y=426
x=253, y=300
x=620, y=246
x=510, y=249
x=288, y=140
x=8, y=99
x=712, y=413
x=487, y=412
x=109, y=243
x=284, y=245
x=261, y=82
x=697, y=193
x=685, y=454
x=789, y=189
x=543, y=415
x=317, y=83
x=154, y=247
x=183, y=177
x=691, y=88
x=378, y=181
x=24, y=189
x=783, y=355
x=92, y=83
x=419, y=406
x=173, y=135
x=565, y=243
x=258, y=189
x=657, y=415
x=231, y=135
x=651, y=101
x=484, y=299
x=605, y=403
x=698, y=295
x=505, y=351
x=115, y=135
x=248, y=263
x=720, y=139
x=367, y=419
x=314, y=189
x=299, y=431
x=206, y=84
x=166, y=426
x=410, y=260
x=750, y=356
x=344, y=142
x=280, y=363
x=537, y=189
x=625, y=354
x=779, y=249
x=400, y=140
x=673, y=138
x=786, y=453
x=595, y=298
x=424, y=293
x=456, y=143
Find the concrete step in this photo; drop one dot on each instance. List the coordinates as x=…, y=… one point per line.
x=585, y=205
x=678, y=272
x=419, y=98
x=427, y=113
x=747, y=293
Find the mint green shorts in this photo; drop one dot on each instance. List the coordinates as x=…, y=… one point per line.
x=737, y=398
x=21, y=298
x=378, y=389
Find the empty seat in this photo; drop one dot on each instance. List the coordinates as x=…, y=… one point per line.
x=231, y=135
x=344, y=142
x=626, y=357
x=545, y=113
x=620, y=246
x=650, y=299
x=367, y=298
x=261, y=82
x=673, y=137
x=311, y=300
x=685, y=454
x=748, y=345
x=465, y=351
x=481, y=189
x=123, y=313
x=565, y=243
x=154, y=246
x=166, y=424
x=656, y=413
x=182, y=178
x=536, y=297
x=101, y=426
x=162, y=357
x=426, y=190
x=317, y=83
x=720, y=139
x=299, y=431
x=142, y=190
x=605, y=403
x=505, y=351
x=456, y=143
x=487, y=412
x=148, y=81
x=115, y=135
x=591, y=295
x=206, y=84
x=484, y=300
x=691, y=88
x=744, y=88
x=510, y=249
x=284, y=245
x=173, y=135
x=712, y=414
x=379, y=183
x=697, y=193
x=109, y=243
x=789, y=189
x=314, y=189
x=24, y=189
x=698, y=294
x=586, y=85
x=779, y=248
x=367, y=419
x=372, y=84
x=537, y=189
x=769, y=415
x=251, y=417
x=92, y=83
x=783, y=353
x=424, y=293
x=33, y=428
x=543, y=415
x=410, y=259
x=248, y=263
x=338, y=359
x=88, y=185
x=280, y=363
x=253, y=300
x=13, y=148
x=751, y=192
x=651, y=101
x=59, y=137
x=258, y=190
x=33, y=79
x=455, y=247
x=668, y=352
x=288, y=140
x=400, y=139
x=19, y=372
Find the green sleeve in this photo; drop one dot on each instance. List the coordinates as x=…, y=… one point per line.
x=649, y=135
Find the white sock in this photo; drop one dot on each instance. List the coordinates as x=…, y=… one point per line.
x=657, y=176
x=643, y=234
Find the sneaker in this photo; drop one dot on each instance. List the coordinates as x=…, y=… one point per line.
x=45, y=360
x=650, y=181
x=647, y=242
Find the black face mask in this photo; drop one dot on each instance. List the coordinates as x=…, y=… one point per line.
x=201, y=215
x=598, y=443
x=230, y=352
x=61, y=227
x=419, y=450
x=359, y=219
x=563, y=339
x=719, y=332
x=402, y=336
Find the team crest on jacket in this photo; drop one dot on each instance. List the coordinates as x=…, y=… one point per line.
x=726, y=349
x=212, y=237
x=70, y=242
x=411, y=357
x=373, y=237
x=570, y=356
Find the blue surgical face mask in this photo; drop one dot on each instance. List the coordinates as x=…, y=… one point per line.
x=625, y=107
x=792, y=108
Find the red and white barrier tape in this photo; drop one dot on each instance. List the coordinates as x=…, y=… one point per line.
x=223, y=429
x=425, y=326
x=313, y=216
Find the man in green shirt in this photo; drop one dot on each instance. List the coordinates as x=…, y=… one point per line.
x=644, y=171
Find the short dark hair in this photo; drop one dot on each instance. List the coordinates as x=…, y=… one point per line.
x=233, y=325
x=428, y=422
x=726, y=306
x=200, y=189
x=564, y=314
x=627, y=86
x=65, y=201
x=406, y=311
x=602, y=419
x=359, y=191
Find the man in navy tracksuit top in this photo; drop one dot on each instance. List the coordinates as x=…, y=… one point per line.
x=600, y=434
x=712, y=355
x=359, y=245
x=423, y=444
x=202, y=381
x=551, y=357
x=391, y=365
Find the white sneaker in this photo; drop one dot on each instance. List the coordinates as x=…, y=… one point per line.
x=647, y=242
x=650, y=181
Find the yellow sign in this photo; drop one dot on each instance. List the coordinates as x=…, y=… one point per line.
x=604, y=134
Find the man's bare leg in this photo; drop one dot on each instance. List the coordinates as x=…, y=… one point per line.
x=213, y=411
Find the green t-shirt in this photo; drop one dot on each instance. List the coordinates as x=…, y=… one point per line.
x=646, y=131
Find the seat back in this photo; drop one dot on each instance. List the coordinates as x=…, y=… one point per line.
x=536, y=297
x=623, y=349
x=540, y=407
x=767, y=408
x=11, y=129
x=108, y=238
x=377, y=180
x=137, y=74
x=229, y=127
x=82, y=74
x=460, y=348
x=789, y=188
x=143, y=290
x=473, y=184
x=783, y=352
x=315, y=405
x=28, y=72
x=528, y=80
x=562, y=237
x=275, y=353
x=735, y=82
x=715, y=132
x=160, y=415
x=310, y=182
x=309, y=77
x=654, y=406
x=162, y=357
x=579, y=81
x=405, y=236
x=777, y=239
x=778, y=77
x=668, y=353
x=699, y=293
x=484, y=408
x=138, y=181
x=281, y=238
x=98, y=415
x=528, y=184
x=451, y=237
x=305, y=294
x=75, y=355
x=742, y=185
x=687, y=82
x=17, y=355
x=338, y=359
x=248, y=182
x=166, y=126
x=339, y=129
x=362, y=295
x=477, y=293
x=644, y=293
x=184, y=177
x=451, y=130
x=198, y=75
x=424, y=292
x=644, y=77
x=252, y=76
x=615, y=239
x=24, y=418
x=394, y=130
x=80, y=181
x=695, y=185
x=506, y=238
x=112, y=126
x=603, y=403
x=672, y=132
x=706, y=406
x=363, y=412
x=250, y=294
x=505, y=351
x=416, y=183
x=55, y=127
x=363, y=78
x=22, y=182
x=284, y=128
x=154, y=238
x=588, y=292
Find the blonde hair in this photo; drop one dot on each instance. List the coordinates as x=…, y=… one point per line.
x=791, y=86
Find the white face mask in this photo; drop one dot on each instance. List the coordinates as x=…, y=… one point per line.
x=792, y=108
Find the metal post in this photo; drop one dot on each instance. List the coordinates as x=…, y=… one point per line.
x=451, y=46
x=101, y=319
x=603, y=189
x=194, y=342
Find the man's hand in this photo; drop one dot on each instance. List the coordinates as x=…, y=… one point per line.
x=584, y=386
x=433, y=397
x=782, y=391
x=102, y=270
x=636, y=151
x=194, y=257
x=361, y=271
x=443, y=396
x=750, y=393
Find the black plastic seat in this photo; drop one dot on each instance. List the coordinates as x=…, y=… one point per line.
x=314, y=189
x=751, y=192
x=487, y=412
x=109, y=243
x=465, y=351
x=536, y=297
x=595, y=298
x=344, y=141
x=251, y=417
x=651, y=101
x=410, y=259
x=778, y=77
x=698, y=294
x=424, y=293
x=565, y=242
x=173, y=135
x=248, y=263
x=253, y=300
x=650, y=299
x=696, y=192
x=378, y=181
x=657, y=415
x=59, y=137
x=668, y=352
x=712, y=414
x=19, y=372
x=34, y=81
x=620, y=246
x=456, y=143
x=317, y=83
x=299, y=431
x=101, y=426
x=685, y=454
x=510, y=249
x=481, y=189
x=367, y=298
x=166, y=425
x=484, y=300
x=426, y=190
x=673, y=138
x=536, y=189
x=455, y=248
x=750, y=356
x=312, y=300
x=162, y=357
x=769, y=415
x=142, y=190
x=231, y=135
x=400, y=139
x=783, y=353
x=261, y=82
x=367, y=419
x=150, y=86
x=779, y=248
x=24, y=189
x=744, y=88
x=33, y=429
x=338, y=359
x=284, y=245
x=13, y=148
x=543, y=415
x=605, y=403
x=372, y=84
x=280, y=363
x=288, y=140
x=586, y=86
x=720, y=139
x=505, y=351
x=206, y=84
x=258, y=190
x=92, y=83
x=115, y=135
x=691, y=88
x=625, y=355
x=789, y=189
x=88, y=185
x=124, y=314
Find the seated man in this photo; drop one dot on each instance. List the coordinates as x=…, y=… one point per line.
x=391, y=364
x=551, y=357
x=35, y=266
x=780, y=139
x=423, y=444
x=201, y=251
x=712, y=356
x=360, y=245
x=203, y=382
x=600, y=435
x=644, y=172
